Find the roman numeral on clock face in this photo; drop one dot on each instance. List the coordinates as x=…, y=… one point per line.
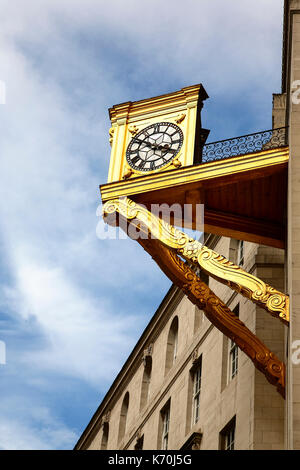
x=146, y=133
x=141, y=164
x=173, y=133
x=135, y=159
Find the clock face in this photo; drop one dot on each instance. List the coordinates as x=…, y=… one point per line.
x=154, y=147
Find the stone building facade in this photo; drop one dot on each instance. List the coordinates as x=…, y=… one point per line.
x=186, y=385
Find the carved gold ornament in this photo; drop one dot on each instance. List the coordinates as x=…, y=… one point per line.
x=169, y=246
x=180, y=118
x=111, y=135
x=217, y=312
x=128, y=172
x=133, y=129
x=213, y=264
x=176, y=163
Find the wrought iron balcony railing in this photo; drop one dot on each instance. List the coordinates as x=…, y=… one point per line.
x=245, y=144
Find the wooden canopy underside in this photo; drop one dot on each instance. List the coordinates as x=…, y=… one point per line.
x=244, y=197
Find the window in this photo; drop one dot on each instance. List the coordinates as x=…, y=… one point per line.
x=165, y=430
x=241, y=253
x=227, y=436
x=198, y=320
x=233, y=250
x=229, y=439
x=196, y=390
x=164, y=426
x=105, y=431
x=139, y=443
x=175, y=346
x=172, y=345
x=123, y=417
x=230, y=353
x=146, y=381
x=233, y=352
x=236, y=251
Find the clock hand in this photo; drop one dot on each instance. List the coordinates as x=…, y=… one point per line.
x=153, y=145
x=142, y=141
x=164, y=147
x=148, y=144
x=161, y=147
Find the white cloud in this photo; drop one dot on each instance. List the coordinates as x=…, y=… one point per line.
x=64, y=63
x=40, y=432
x=84, y=337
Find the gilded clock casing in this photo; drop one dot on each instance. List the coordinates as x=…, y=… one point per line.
x=182, y=108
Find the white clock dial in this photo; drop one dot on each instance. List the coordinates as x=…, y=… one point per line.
x=154, y=147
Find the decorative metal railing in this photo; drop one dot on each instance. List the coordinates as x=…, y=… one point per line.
x=245, y=144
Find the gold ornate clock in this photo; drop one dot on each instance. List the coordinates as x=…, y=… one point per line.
x=156, y=134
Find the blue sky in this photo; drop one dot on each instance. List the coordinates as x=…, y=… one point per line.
x=73, y=306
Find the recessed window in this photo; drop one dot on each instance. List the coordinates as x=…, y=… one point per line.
x=175, y=346
x=233, y=361
x=229, y=439
x=172, y=345
x=236, y=251
x=198, y=320
x=105, y=432
x=197, y=374
x=227, y=436
x=146, y=382
x=233, y=250
x=193, y=409
x=123, y=417
x=166, y=426
x=241, y=253
x=139, y=443
x=233, y=353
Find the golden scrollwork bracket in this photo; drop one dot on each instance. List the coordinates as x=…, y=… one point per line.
x=169, y=247
x=212, y=263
